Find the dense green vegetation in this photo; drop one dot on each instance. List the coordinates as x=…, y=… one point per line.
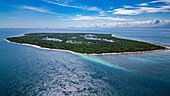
x=83, y=45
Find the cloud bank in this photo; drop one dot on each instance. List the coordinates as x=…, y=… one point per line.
x=80, y=17
x=154, y=23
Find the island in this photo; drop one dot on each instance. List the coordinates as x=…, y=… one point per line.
x=85, y=43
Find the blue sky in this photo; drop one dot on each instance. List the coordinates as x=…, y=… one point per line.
x=84, y=13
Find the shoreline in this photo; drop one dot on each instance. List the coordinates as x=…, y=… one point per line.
x=137, y=52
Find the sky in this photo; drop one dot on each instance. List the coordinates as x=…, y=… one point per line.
x=84, y=13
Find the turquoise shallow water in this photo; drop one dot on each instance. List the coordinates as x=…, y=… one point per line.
x=26, y=70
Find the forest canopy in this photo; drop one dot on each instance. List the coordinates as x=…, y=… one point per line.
x=85, y=42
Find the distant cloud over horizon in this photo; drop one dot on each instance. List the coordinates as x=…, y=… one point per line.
x=154, y=23
x=80, y=17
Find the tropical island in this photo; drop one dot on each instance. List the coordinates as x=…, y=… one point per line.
x=85, y=43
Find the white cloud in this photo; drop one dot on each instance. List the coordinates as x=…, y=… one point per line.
x=153, y=9
x=38, y=9
x=102, y=13
x=109, y=11
x=123, y=11
x=79, y=7
x=143, y=4
x=130, y=10
x=80, y=17
x=139, y=10
x=165, y=1
x=149, y=23
x=127, y=6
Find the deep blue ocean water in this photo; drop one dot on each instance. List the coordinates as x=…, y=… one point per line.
x=29, y=71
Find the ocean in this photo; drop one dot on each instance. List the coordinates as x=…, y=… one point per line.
x=29, y=71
